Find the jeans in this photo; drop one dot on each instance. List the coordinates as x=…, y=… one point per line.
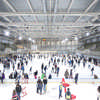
x=18, y=93
x=39, y=88
x=44, y=88
x=60, y=93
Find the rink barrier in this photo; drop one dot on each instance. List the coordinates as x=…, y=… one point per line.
x=9, y=81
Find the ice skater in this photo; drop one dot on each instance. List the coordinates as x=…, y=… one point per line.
x=14, y=95
x=60, y=90
x=58, y=71
x=68, y=95
x=39, y=85
x=76, y=78
x=18, y=90
x=45, y=84
x=98, y=91
x=92, y=70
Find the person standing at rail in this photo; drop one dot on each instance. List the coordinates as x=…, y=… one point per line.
x=60, y=90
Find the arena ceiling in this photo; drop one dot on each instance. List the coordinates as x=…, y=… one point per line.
x=57, y=19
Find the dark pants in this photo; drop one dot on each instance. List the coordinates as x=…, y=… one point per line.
x=39, y=89
x=18, y=93
x=2, y=80
x=76, y=81
x=97, y=98
x=60, y=93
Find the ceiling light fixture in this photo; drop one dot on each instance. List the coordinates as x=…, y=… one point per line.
x=87, y=34
x=20, y=38
x=76, y=38
x=29, y=39
x=7, y=33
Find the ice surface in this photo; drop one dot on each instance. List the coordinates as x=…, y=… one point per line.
x=83, y=91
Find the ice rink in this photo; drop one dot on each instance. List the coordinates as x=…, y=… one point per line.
x=84, y=90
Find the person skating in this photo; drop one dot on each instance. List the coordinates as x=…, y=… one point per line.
x=66, y=74
x=44, y=84
x=55, y=68
x=42, y=67
x=68, y=95
x=0, y=75
x=35, y=74
x=60, y=90
x=52, y=69
x=50, y=76
x=57, y=71
x=14, y=95
x=39, y=86
x=31, y=69
x=71, y=74
x=22, y=68
x=15, y=74
x=76, y=78
x=3, y=77
x=45, y=68
x=42, y=76
x=98, y=93
x=18, y=90
x=18, y=65
x=92, y=70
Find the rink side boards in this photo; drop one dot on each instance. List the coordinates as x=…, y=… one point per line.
x=33, y=81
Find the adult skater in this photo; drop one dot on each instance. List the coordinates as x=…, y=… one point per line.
x=45, y=68
x=42, y=67
x=68, y=95
x=18, y=65
x=76, y=78
x=15, y=74
x=44, y=84
x=60, y=90
x=66, y=74
x=18, y=90
x=98, y=93
x=35, y=74
x=22, y=68
x=71, y=74
x=50, y=76
x=92, y=70
x=3, y=77
x=39, y=86
x=52, y=69
x=30, y=69
x=57, y=71
x=0, y=75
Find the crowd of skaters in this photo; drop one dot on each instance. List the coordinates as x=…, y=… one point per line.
x=42, y=80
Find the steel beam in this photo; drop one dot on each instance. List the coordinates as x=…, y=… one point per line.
x=47, y=14
x=29, y=3
x=13, y=9
x=95, y=1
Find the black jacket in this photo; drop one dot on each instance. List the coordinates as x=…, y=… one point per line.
x=45, y=81
x=18, y=88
